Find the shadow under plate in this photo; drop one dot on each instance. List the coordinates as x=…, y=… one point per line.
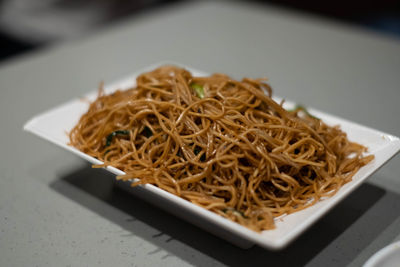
x=369, y=207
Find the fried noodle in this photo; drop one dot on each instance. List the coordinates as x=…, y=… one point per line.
x=222, y=144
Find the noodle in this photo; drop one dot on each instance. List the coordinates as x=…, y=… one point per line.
x=222, y=144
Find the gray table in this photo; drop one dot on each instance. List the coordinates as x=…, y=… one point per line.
x=56, y=211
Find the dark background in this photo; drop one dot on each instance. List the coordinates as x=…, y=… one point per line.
x=381, y=16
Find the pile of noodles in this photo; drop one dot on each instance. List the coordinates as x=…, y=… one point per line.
x=222, y=144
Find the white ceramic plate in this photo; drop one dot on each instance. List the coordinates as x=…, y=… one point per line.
x=53, y=125
x=388, y=256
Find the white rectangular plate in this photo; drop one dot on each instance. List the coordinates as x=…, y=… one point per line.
x=54, y=124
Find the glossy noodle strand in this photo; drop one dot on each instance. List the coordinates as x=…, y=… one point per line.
x=222, y=144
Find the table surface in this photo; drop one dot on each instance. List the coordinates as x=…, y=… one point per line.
x=57, y=211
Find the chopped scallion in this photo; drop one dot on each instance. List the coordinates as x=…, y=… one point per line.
x=199, y=90
x=304, y=109
x=115, y=133
x=147, y=132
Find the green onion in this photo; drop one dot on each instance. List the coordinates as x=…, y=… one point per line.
x=115, y=133
x=199, y=90
x=304, y=109
x=235, y=212
x=147, y=132
x=197, y=150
